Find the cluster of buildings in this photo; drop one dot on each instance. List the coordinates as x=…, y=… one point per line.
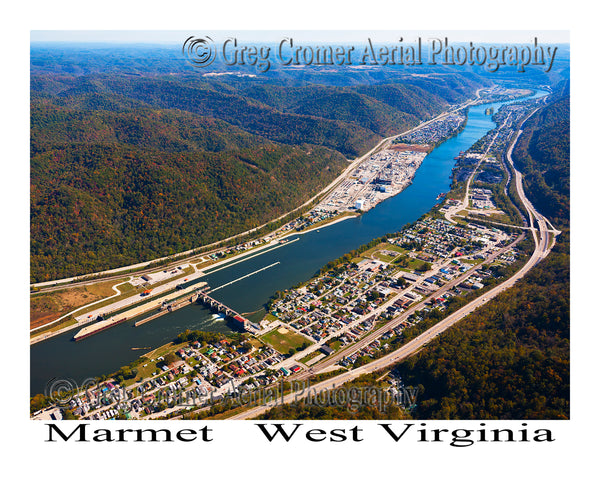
x=481, y=198
x=343, y=305
x=507, y=119
x=156, y=277
x=333, y=311
x=316, y=215
x=498, y=93
x=202, y=375
x=336, y=303
x=242, y=247
x=440, y=238
x=340, y=307
x=219, y=362
x=382, y=175
x=436, y=131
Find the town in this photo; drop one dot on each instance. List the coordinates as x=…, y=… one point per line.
x=356, y=310
x=425, y=266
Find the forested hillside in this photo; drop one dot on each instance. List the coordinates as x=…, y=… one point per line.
x=129, y=167
x=542, y=154
x=510, y=358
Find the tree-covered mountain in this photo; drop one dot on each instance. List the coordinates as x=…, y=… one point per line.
x=510, y=358
x=101, y=205
x=542, y=154
x=126, y=167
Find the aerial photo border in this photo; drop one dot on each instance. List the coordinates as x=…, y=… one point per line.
x=247, y=435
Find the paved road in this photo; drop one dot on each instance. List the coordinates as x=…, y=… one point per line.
x=544, y=241
x=307, y=372
x=333, y=359
x=465, y=203
x=184, y=257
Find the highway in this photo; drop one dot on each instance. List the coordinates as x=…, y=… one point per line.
x=188, y=256
x=333, y=359
x=543, y=233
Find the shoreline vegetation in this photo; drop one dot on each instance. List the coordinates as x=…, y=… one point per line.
x=557, y=405
x=157, y=264
x=68, y=323
x=226, y=160
x=268, y=227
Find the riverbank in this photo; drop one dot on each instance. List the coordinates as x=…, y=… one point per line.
x=299, y=260
x=189, y=255
x=127, y=310
x=326, y=223
x=200, y=272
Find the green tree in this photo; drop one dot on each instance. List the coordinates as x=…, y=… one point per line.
x=424, y=267
x=170, y=358
x=38, y=402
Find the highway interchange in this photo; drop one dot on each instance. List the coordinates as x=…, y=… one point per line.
x=543, y=233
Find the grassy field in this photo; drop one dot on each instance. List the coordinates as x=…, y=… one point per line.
x=471, y=261
x=383, y=257
x=412, y=265
x=126, y=287
x=144, y=372
x=205, y=263
x=270, y=318
x=373, y=253
x=282, y=342
x=46, y=307
x=164, y=350
x=335, y=345
x=494, y=217
x=67, y=322
x=396, y=248
x=255, y=342
x=310, y=356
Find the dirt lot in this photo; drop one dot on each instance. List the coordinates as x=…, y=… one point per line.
x=46, y=307
x=413, y=148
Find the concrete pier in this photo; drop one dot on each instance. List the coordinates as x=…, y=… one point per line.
x=215, y=305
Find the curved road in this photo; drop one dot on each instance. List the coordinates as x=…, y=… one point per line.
x=186, y=257
x=544, y=241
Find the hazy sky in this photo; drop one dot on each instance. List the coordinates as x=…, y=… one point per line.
x=177, y=37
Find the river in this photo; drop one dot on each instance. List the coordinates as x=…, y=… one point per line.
x=60, y=357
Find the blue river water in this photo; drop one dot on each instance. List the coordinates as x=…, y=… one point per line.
x=60, y=357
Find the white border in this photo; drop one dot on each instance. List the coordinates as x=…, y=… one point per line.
x=240, y=451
